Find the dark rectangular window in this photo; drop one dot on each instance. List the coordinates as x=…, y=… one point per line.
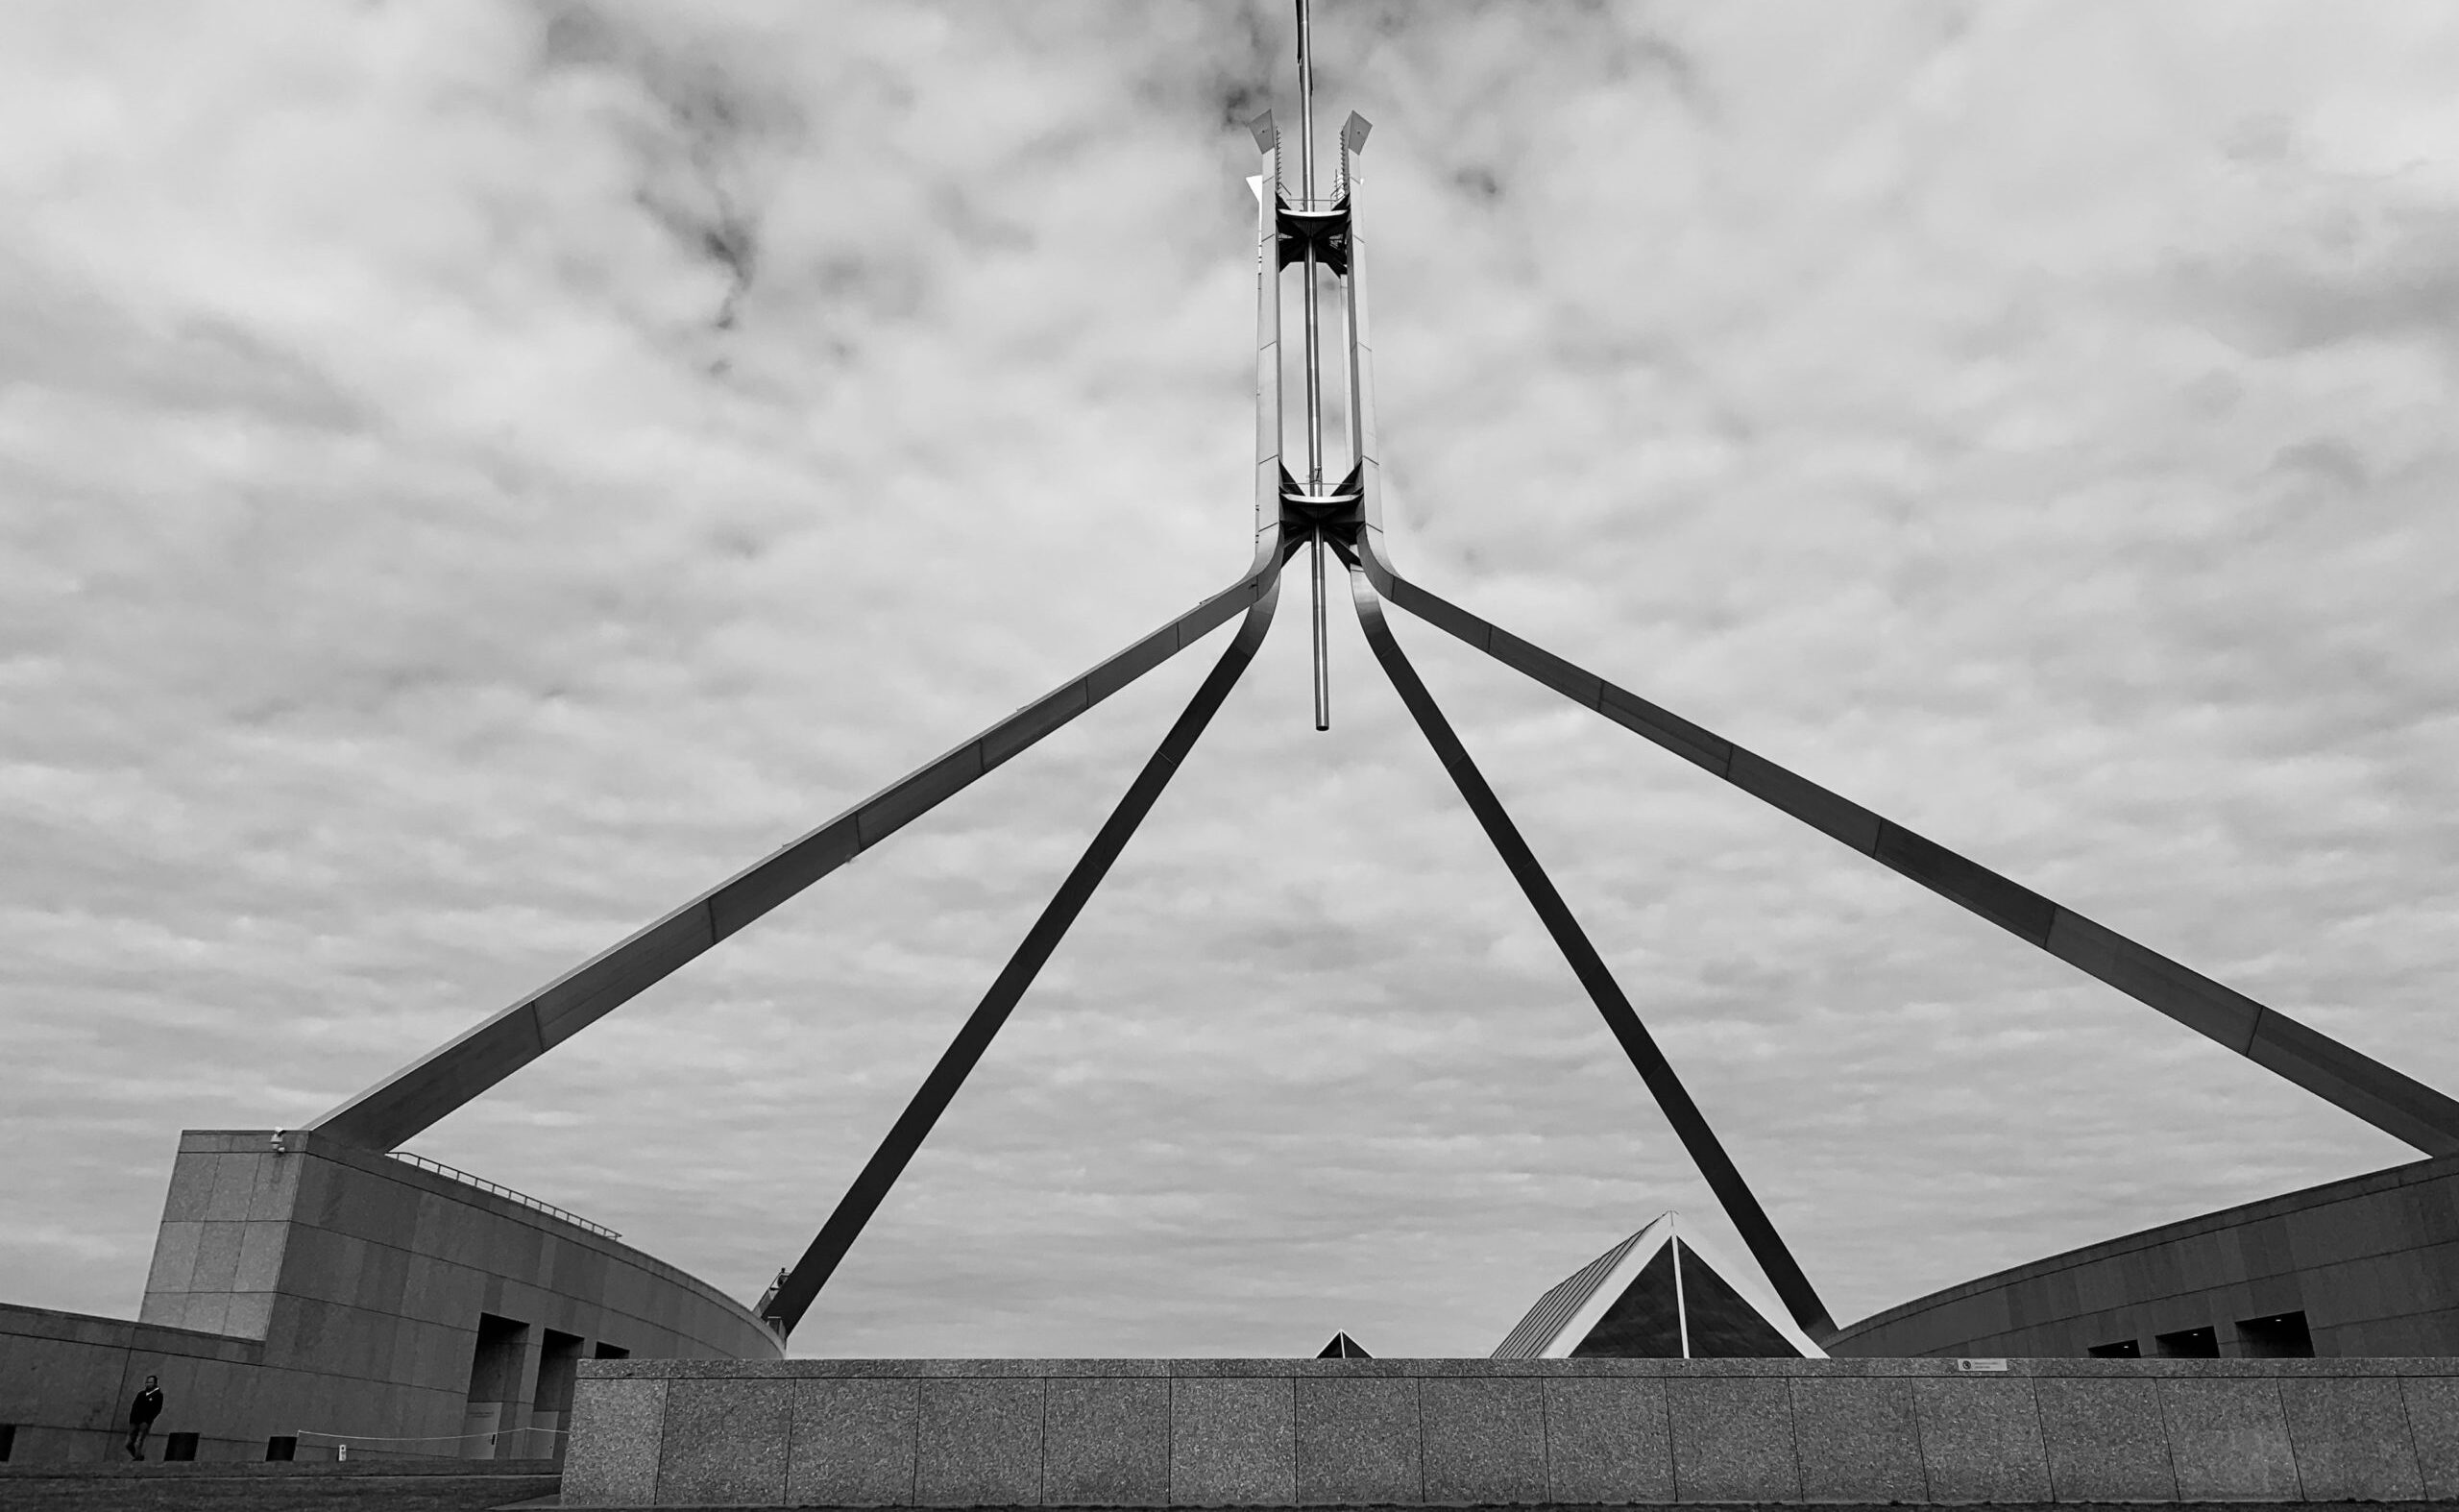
x=550, y=1407
x=2283, y=1335
x=491, y=1417
x=2189, y=1343
x=8, y=1441
x=2122, y=1350
x=556, y=1361
x=179, y=1446
x=609, y=1351
x=494, y=1359
x=281, y=1446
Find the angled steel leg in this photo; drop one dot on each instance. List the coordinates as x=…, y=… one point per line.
x=418, y=1094
x=792, y=1298
x=2391, y=1101
x=1690, y=1125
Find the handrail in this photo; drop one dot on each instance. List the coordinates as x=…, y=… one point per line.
x=484, y=1184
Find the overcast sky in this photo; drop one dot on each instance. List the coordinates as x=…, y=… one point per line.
x=473, y=476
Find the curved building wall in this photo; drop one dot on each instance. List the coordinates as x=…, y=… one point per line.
x=2367, y=1266
x=317, y=1286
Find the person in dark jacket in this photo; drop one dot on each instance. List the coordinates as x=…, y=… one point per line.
x=141, y=1414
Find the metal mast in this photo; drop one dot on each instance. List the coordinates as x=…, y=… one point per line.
x=1314, y=357
x=1346, y=518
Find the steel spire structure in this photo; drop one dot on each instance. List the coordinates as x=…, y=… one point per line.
x=1319, y=235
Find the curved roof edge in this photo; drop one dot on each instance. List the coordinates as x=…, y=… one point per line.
x=2261, y=1208
x=553, y=1220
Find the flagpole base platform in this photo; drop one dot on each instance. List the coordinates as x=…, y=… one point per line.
x=1474, y=1432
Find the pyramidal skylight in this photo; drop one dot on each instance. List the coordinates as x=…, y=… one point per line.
x=1660, y=1294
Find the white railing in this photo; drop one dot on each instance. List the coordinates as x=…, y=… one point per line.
x=523, y=1198
x=451, y=1445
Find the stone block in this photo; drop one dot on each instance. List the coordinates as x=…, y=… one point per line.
x=449, y=1230
x=321, y=1264
x=1485, y=1439
x=2099, y=1288
x=2205, y=1262
x=276, y=1193
x=432, y=1356
x=191, y=1190
x=1359, y=1443
x=207, y=1311
x=2043, y=1299
x=2105, y=1438
x=1976, y=1317
x=1106, y=1442
x=579, y=1270
x=1352, y=1368
x=2350, y=1438
x=1607, y=1441
x=174, y=1268
x=1232, y=1442
x=383, y=1273
x=2150, y=1274
x=1981, y=1439
x=1857, y=1439
x=300, y=1328
x=2333, y=1232
x=617, y=1429
x=403, y=1339
x=2264, y=1248
x=249, y=1314
x=724, y=1443
x=380, y=1207
x=978, y=1443
x=2228, y=1439
x=164, y=1309
x=2432, y=1403
x=1733, y=1438
x=217, y=1255
x=261, y=1251
x=432, y=1290
x=853, y=1443
x=2382, y=1286
x=2390, y=1337
x=513, y=1248
x=234, y=1182
x=68, y=1382
x=216, y=1398
x=1058, y=1369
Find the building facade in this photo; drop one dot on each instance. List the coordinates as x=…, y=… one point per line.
x=307, y=1289
x=2366, y=1266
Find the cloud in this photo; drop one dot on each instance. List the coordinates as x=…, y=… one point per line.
x=472, y=476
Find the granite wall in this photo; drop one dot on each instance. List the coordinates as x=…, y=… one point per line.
x=314, y=1285
x=67, y=1379
x=2369, y=1265
x=1483, y=1432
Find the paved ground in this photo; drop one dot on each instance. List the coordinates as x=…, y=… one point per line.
x=530, y=1485
x=240, y=1487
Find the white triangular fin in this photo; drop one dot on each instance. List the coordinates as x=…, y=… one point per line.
x=1746, y=1283
x=1572, y=1309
